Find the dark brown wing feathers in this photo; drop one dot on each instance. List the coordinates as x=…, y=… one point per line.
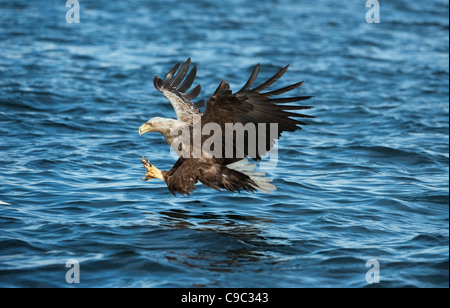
x=174, y=82
x=170, y=74
x=251, y=80
x=250, y=106
x=274, y=78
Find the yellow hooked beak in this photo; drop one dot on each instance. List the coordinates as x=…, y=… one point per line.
x=145, y=128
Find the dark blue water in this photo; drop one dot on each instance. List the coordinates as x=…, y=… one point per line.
x=367, y=180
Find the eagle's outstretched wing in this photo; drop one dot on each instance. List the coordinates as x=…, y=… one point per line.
x=175, y=90
x=251, y=106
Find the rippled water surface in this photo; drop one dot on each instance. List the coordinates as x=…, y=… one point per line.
x=368, y=179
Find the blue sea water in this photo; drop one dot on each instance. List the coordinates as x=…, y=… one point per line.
x=368, y=179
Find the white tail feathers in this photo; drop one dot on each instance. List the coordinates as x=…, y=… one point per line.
x=260, y=179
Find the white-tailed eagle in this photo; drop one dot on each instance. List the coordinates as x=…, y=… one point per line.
x=213, y=165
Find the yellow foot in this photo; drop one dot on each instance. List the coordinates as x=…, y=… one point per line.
x=152, y=171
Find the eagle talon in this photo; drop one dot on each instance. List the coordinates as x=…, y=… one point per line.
x=145, y=160
x=146, y=163
x=152, y=171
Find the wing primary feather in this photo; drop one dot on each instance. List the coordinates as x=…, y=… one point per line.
x=199, y=104
x=297, y=115
x=289, y=99
x=223, y=86
x=283, y=90
x=157, y=82
x=274, y=78
x=193, y=93
x=180, y=76
x=187, y=83
x=251, y=80
x=295, y=107
x=170, y=74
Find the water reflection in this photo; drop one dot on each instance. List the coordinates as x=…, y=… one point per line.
x=228, y=262
x=238, y=239
x=243, y=227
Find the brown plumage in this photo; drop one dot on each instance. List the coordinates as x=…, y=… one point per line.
x=247, y=106
x=252, y=106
